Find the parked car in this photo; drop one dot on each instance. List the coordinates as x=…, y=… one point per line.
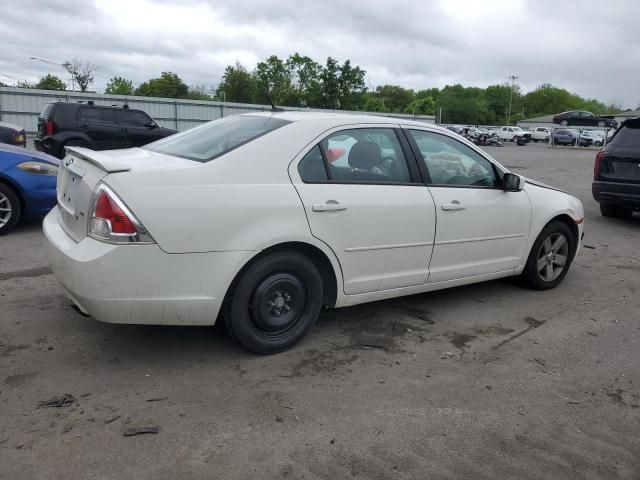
x=593, y=137
x=582, y=118
x=247, y=216
x=541, y=134
x=12, y=134
x=65, y=124
x=616, y=175
x=27, y=184
x=512, y=134
x=565, y=136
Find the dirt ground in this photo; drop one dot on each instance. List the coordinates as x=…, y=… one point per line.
x=486, y=381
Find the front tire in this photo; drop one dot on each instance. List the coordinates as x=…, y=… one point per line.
x=614, y=211
x=564, y=123
x=275, y=302
x=550, y=257
x=10, y=209
x=601, y=124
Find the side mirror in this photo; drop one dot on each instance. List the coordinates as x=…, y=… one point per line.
x=151, y=125
x=512, y=182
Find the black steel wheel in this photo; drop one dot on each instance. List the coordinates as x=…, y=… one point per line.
x=275, y=302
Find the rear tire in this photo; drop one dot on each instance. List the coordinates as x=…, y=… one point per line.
x=614, y=211
x=10, y=209
x=275, y=302
x=550, y=257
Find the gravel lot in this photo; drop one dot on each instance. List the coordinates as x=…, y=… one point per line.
x=485, y=381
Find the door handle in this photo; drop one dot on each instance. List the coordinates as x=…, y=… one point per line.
x=329, y=206
x=455, y=205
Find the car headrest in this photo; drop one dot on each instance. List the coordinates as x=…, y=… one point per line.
x=365, y=155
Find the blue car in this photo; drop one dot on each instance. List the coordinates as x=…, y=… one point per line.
x=27, y=184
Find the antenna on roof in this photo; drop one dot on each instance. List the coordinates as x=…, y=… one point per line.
x=273, y=107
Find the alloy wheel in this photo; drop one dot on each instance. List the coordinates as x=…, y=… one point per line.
x=553, y=256
x=5, y=210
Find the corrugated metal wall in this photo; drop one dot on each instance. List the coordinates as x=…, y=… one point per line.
x=22, y=106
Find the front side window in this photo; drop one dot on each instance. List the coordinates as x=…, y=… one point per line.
x=450, y=162
x=213, y=139
x=133, y=118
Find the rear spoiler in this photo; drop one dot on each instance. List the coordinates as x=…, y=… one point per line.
x=104, y=162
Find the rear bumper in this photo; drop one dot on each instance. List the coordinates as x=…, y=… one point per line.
x=47, y=145
x=623, y=194
x=140, y=284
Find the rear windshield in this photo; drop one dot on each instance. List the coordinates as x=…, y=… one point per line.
x=628, y=135
x=47, y=111
x=216, y=138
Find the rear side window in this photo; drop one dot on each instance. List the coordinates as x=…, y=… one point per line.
x=312, y=167
x=133, y=117
x=208, y=141
x=96, y=115
x=627, y=136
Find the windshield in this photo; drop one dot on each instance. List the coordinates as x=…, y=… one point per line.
x=216, y=138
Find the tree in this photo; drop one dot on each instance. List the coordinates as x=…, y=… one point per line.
x=305, y=84
x=372, y=103
x=81, y=71
x=422, y=106
x=24, y=84
x=199, y=92
x=237, y=85
x=272, y=81
x=50, y=82
x=168, y=85
x=395, y=97
x=119, y=86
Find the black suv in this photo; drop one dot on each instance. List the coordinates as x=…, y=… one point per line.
x=96, y=127
x=616, y=175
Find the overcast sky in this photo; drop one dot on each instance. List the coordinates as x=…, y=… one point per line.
x=589, y=47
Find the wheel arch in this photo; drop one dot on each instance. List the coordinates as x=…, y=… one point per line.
x=569, y=222
x=327, y=269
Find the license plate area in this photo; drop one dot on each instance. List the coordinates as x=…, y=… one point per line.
x=70, y=179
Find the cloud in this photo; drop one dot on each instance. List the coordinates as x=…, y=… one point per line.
x=590, y=48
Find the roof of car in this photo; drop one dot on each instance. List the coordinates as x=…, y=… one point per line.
x=339, y=117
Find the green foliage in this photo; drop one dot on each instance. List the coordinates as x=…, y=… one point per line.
x=394, y=97
x=50, y=82
x=237, y=85
x=119, y=86
x=272, y=81
x=199, y=92
x=373, y=104
x=168, y=85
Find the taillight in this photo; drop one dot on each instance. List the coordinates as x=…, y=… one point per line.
x=596, y=169
x=111, y=221
x=334, y=153
x=50, y=127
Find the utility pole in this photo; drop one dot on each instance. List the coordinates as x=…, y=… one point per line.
x=61, y=65
x=513, y=80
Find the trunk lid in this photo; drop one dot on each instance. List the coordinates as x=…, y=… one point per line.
x=82, y=169
x=620, y=165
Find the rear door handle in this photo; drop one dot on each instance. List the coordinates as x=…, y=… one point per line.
x=329, y=206
x=455, y=205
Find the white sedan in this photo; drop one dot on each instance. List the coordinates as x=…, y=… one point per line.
x=262, y=219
